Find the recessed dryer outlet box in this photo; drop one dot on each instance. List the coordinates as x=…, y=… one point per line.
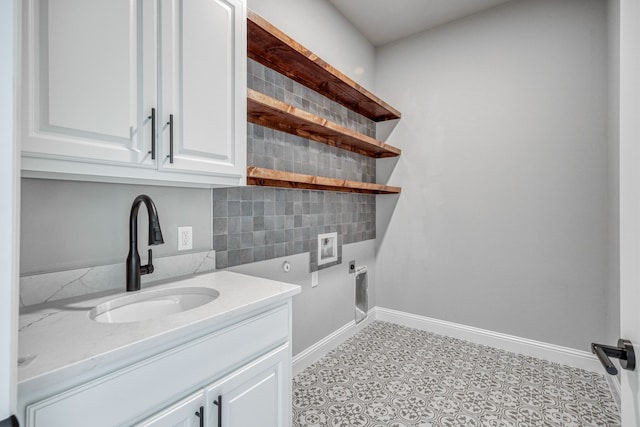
x=352, y=267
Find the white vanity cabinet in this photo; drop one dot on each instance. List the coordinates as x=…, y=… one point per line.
x=246, y=366
x=149, y=91
x=255, y=395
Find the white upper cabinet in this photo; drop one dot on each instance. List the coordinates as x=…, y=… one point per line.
x=101, y=80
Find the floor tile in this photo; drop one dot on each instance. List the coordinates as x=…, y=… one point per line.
x=391, y=375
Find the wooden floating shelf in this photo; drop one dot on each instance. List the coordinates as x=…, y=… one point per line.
x=267, y=111
x=274, y=49
x=275, y=178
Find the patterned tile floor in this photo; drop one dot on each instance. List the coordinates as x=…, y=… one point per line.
x=391, y=375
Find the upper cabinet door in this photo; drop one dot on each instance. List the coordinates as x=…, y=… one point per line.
x=90, y=80
x=203, y=72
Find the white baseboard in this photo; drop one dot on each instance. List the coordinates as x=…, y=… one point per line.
x=550, y=352
x=311, y=355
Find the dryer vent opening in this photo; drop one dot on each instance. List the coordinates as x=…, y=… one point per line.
x=362, y=294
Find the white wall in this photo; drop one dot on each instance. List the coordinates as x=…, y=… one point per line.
x=502, y=220
x=319, y=27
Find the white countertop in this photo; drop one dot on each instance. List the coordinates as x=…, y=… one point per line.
x=63, y=341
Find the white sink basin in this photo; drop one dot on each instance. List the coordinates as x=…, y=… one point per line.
x=152, y=304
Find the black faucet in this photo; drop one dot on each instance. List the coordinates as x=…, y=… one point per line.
x=134, y=269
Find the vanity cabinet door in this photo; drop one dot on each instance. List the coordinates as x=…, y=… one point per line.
x=89, y=81
x=203, y=86
x=256, y=395
x=186, y=413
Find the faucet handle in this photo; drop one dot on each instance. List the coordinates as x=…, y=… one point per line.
x=148, y=269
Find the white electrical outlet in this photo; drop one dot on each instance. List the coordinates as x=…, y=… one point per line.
x=185, y=238
x=314, y=279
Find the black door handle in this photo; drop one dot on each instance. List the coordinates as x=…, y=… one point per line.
x=624, y=351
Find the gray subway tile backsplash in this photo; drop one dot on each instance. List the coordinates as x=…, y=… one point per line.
x=253, y=223
x=282, y=151
x=271, y=83
x=271, y=235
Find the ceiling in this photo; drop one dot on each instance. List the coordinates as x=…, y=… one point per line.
x=384, y=21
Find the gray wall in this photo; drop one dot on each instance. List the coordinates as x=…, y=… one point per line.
x=319, y=311
x=319, y=27
x=502, y=221
x=67, y=224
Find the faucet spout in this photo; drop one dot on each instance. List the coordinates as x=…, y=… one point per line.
x=134, y=269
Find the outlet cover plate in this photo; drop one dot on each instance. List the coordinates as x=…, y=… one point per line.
x=352, y=267
x=185, y=238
